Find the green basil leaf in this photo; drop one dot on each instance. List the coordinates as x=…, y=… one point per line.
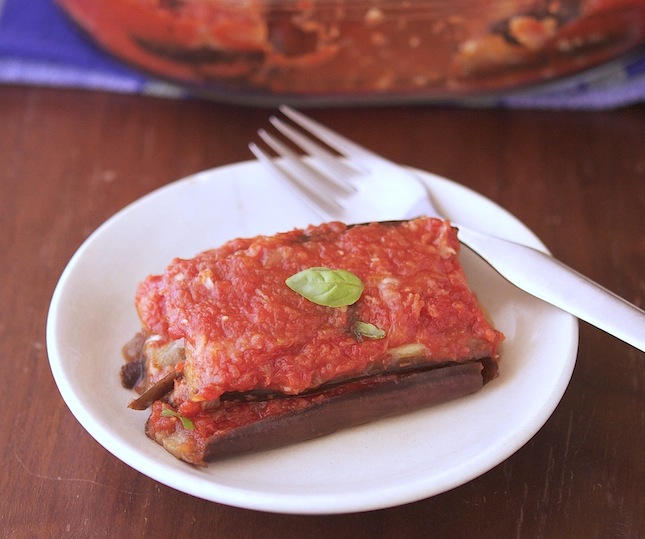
x=187, y=423
x=367, y=330
x=327, y=287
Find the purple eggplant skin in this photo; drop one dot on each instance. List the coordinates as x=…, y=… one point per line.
x=361, y=403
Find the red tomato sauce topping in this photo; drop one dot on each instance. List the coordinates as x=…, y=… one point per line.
x=245, y=330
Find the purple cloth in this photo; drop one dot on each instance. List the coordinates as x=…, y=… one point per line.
x=39, y=45
x=619, y=84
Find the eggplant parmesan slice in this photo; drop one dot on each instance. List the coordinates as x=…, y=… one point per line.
x=233, y=360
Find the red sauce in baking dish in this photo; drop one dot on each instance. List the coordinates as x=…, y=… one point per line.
x=263, y=51
x=244, y=329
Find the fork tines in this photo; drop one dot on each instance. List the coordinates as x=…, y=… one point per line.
x=310, y=165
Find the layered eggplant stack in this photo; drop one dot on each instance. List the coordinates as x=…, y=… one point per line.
x=273, y=340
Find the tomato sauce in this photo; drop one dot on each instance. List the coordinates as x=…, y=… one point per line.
x=245, y=330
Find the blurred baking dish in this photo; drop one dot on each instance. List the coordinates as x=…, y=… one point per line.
x=268, y=51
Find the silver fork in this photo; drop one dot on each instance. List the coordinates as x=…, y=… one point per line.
x=356, y=185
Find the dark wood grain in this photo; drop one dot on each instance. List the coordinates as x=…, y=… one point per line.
x=70, y=159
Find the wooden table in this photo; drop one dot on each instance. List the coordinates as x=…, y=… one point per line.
x=70, y=159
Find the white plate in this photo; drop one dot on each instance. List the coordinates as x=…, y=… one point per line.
x=383, y=464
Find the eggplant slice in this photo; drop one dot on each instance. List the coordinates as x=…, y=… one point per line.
x=241, y=427
x=233, y=361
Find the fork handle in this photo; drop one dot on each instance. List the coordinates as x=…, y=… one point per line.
x=550, y=280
